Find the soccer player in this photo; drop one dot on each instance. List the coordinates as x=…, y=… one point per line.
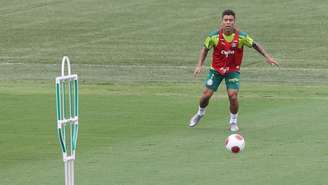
x=227, y=44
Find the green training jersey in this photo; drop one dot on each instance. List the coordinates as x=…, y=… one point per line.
x=213, y=39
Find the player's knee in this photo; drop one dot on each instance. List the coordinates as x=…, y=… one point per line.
x=207, y=94
x=233, y=96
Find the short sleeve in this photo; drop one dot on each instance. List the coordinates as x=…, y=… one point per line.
x=246, y=39
x=208, y=43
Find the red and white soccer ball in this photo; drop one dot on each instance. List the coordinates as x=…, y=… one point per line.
x=235, y=143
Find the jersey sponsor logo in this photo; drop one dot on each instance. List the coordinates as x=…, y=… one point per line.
x=227, y=53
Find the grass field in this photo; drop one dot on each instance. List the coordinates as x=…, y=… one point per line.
x=135, y=61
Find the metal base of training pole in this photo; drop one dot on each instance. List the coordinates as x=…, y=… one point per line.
x=69, y=172
x=66, y=173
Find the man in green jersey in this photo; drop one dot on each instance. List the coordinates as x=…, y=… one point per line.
x=227, y=44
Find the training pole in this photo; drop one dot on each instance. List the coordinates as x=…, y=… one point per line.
x=67, y=108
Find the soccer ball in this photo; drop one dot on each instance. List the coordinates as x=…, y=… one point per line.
x=235, y=143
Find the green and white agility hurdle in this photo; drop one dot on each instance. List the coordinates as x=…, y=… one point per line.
x=67, y=103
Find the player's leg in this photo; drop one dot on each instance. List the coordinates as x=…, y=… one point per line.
x=205, y=98
x=203, y=102
x=234, y=105
x=212, y=83
x=232, y=84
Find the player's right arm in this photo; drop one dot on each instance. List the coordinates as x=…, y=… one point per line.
x=201, y=60
x=208, y=44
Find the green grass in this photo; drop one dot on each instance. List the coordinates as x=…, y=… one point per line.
x=135, y=61
x=140, y=136
x=157, y=32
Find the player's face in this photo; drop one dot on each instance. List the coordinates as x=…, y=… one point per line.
x=228, y=22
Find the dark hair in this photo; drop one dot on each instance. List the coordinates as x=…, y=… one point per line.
x=228, y=12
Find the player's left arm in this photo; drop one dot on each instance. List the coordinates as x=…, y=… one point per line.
x=264, y=53
x=246, y=40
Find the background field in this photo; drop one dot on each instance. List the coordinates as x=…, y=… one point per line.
x=135, y=61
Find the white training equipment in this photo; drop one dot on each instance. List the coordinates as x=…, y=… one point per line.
x=68, y=143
